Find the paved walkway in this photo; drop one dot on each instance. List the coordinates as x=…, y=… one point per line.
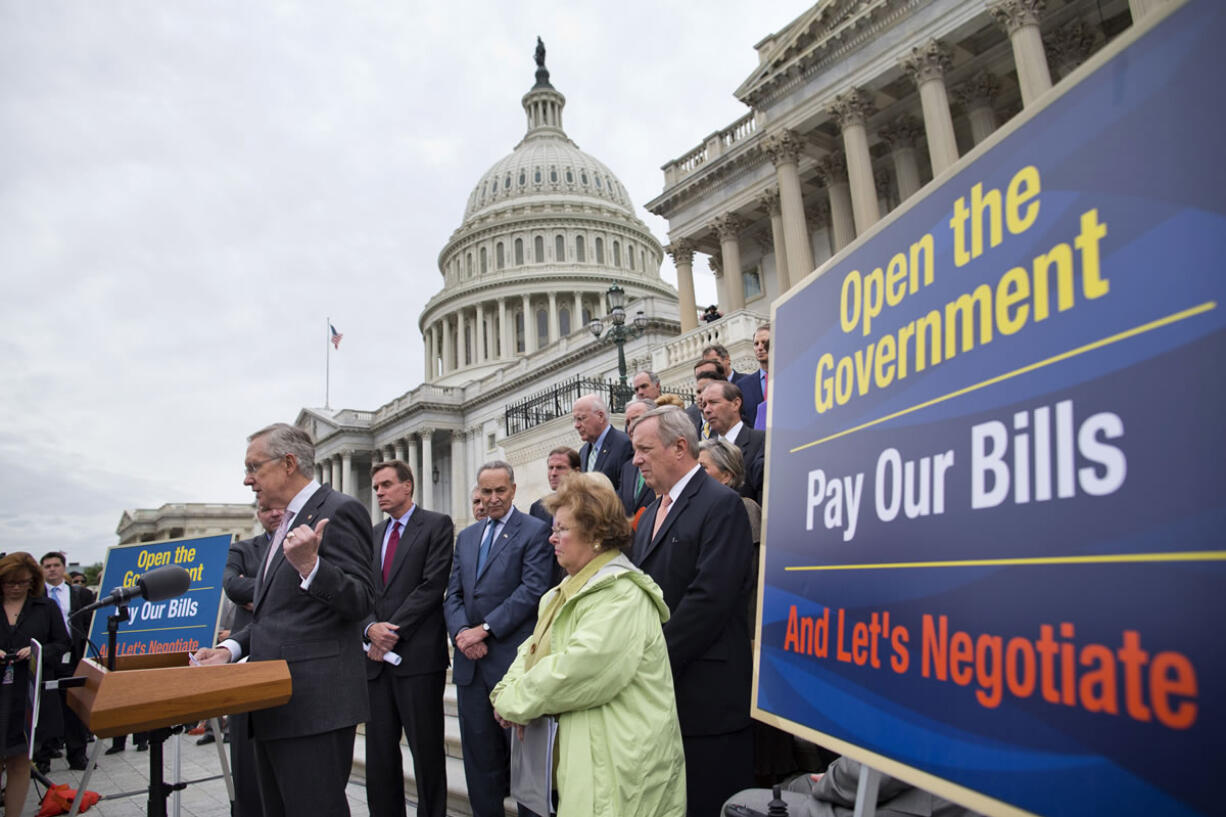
x=129, y=771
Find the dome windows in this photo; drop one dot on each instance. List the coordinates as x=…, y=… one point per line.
x=583, y=177
x=580, y=249
x=536, y=176
x=630, y=254
x=553, y=175
x=519, y=252
x=597, y=178
x=500, y=256
x=507, y=184
x=599, y=250
x=617, y=253
x=538, y=250
x=559, y=248
x=570, y=176
x=523, y=178
x=484, y=263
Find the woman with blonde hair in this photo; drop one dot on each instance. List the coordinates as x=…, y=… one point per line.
x=597, y=660
x=28, y=615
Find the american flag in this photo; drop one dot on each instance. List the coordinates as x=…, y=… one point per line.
x=336, y=337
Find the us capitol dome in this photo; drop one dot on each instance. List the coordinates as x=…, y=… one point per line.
x=546, y=230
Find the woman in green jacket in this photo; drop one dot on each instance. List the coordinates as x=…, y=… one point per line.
x=597, y=660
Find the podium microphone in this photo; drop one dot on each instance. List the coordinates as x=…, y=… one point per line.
x=158, y=584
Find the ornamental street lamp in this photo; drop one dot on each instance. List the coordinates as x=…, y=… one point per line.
x=619, y=331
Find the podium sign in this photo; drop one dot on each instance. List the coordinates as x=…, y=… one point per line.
x=183, y=624
x=994, y=559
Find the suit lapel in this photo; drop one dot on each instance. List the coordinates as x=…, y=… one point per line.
x=674, y=512
x=307, y=516
x=510, y=529
x=412, y=530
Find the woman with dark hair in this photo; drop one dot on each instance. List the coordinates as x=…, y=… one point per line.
x=597, y=660
x=28, y=615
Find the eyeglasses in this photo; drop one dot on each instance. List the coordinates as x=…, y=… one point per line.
x=252, y=467
x=22, y=583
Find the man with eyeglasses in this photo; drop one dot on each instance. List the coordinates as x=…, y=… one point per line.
x=313, y=592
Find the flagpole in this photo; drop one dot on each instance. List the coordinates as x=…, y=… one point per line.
x=327, y=361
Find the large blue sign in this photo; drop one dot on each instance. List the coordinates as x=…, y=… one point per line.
x=183, y=624
x=995, y=511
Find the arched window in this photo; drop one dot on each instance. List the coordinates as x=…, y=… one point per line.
x=643, y=259
x=500, y=256
x=564, y=321
x=553, y=174
x=559, y=248
x=519, y=251
x=617, y=253
x=599, y=250
x=483, y=261
x=536, y=176
x=506, y=185
x=519, y=331
x=542, y=328
x=597, y=178
x=583, y=177
x=587, y=315
x=580, y=249
x=570, y=177
x=538, y=250
x=630, y=254
x=469, y=352
x=468, y=261
x=523, y=178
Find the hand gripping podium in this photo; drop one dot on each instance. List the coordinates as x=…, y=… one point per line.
x=156, y=692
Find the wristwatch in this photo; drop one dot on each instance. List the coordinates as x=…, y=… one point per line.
x=485, y=625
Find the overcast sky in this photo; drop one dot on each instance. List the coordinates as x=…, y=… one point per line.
x=188, y=190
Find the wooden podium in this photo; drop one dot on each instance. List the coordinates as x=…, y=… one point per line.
x=160, y=693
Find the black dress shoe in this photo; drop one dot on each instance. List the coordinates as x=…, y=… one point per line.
x=78, y=765
x=142, y=747
x=43, y=766
x=207, y=737
x=116, y=749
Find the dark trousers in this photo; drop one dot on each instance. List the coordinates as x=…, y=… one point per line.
x=305, y=775
x=413, y=703
x=242, y=766
x=716, y=767
x=487, y=750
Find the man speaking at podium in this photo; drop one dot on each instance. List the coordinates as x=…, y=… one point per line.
x=312, y=595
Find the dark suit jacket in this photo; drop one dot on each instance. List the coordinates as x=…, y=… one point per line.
x=78, y=628
x=615, y=452
x=753, y=448
x=412, y=599
x=505, y=595
x=701, y=560
x=632, y=501
x=751, y=395
x=538, y=510
x=319, y=630
x=243, y=564
x=695, y=414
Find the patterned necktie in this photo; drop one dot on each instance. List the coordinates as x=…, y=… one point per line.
x=484, y=552
x=390, y=551
x=706, y=430
x=666, y=502
x=639, y=482
x=277, y=539
x=591, y=458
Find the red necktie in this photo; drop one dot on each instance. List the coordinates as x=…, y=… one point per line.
x=390, y=554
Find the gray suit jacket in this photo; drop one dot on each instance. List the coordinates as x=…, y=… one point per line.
x=515, y=576
x=318, y=631
x=243, y=564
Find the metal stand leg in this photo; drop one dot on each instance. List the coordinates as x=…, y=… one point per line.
x=222, y=755
x=866, y=792
x=84, y=784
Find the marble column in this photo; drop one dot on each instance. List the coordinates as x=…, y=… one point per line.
x=410, y=456
x=902, y=135
x=460, y=507
x=554, y=330
x=398, y=450
x=683, y=259
x=769, y=201
x=461, y=339
x=427, y=468
x=504, y=333
x=346, y=486
x=576, y=316
x=976, y=96
x=334, y=478
x=529, y=326
x=1069, y=47
x=425, y=345
x=375, y=513
x=851, y=109
x=728, y=227
x=721, y=283
x=833, y=174
x=479, y=336
x=448, y=363
x=1020, y=18
x=926, y=65
x=319, y=473
x=784, y=148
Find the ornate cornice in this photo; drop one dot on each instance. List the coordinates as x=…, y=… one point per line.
x=1015, y=14
x=769, y=201
x=783, y=146
x=852, y=108
x=927, y=62
x=682, y=252
x=832, y=169
x=728, y=226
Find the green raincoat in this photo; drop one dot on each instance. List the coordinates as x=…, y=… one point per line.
x=607, y=679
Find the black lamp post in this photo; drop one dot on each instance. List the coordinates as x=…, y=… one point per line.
x=619, y=331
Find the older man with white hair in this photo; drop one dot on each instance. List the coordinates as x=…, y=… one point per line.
x=605, y=449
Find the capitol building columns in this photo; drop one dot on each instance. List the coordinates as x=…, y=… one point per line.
x=784, y=149
x=976, y=96
x=683, y=259
x=728, y=228
x=927, y=65
x=1020, y=18
x=851, y=109
x=833, y=173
